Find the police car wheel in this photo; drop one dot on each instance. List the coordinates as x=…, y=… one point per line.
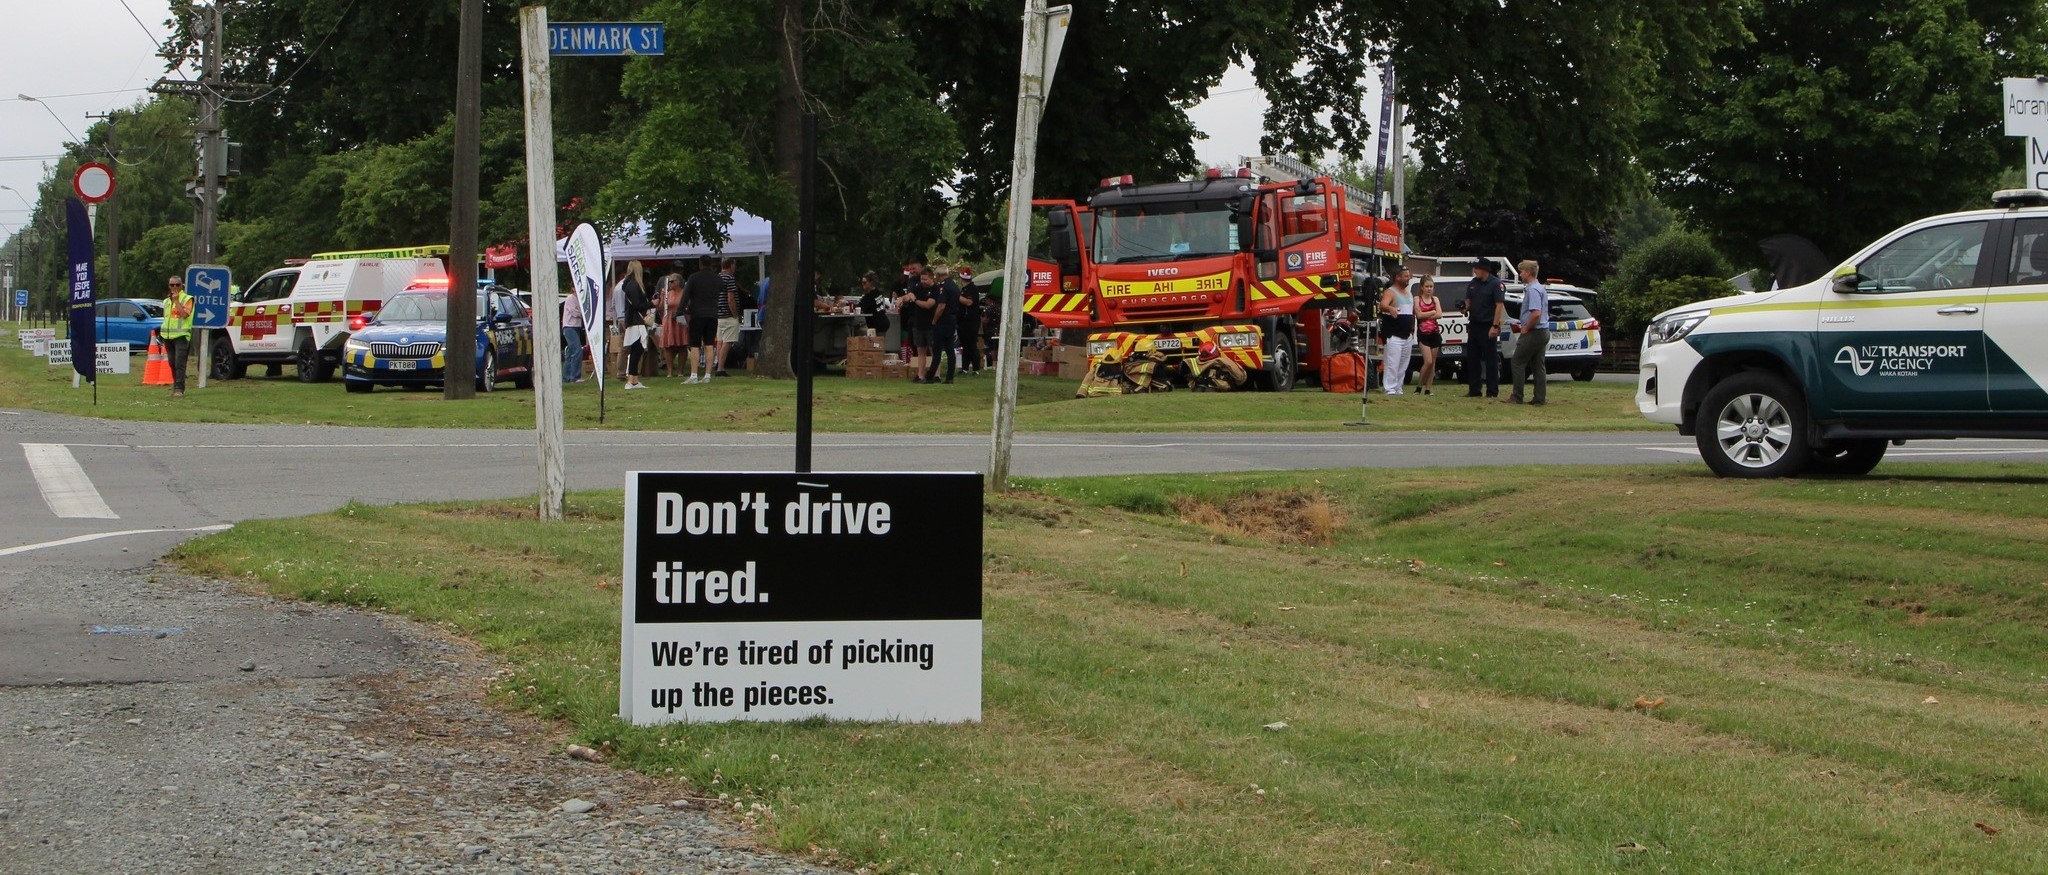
x=1753, y=425
x=359, y=386
x=1851, y=458
x=487, y=376
x=1583, y=374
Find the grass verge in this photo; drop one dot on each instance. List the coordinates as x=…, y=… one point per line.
x=1514, y=670
x=745, y=403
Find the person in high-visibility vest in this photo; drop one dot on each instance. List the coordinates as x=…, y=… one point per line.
x=177, y=332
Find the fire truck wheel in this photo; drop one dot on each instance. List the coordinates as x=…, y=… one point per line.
x=1279, y=373
x=312, y=369
x=487, y=376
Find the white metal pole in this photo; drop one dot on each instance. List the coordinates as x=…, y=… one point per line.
x=540, y=229
x=1016, y=273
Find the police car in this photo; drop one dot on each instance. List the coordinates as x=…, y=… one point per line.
x=1575, y=344
x=404, y=346
x=1933, y=331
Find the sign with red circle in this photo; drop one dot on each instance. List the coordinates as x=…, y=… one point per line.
x=94, y=182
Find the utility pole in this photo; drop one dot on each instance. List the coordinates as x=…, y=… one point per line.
x=113, y=207
x=1044, y=32
x=459, y=377
x=547, y=275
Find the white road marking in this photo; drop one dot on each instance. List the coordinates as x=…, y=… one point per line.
x=80, y=539
x=1683, y=451
x=66, y=489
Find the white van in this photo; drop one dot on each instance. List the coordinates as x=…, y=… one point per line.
x=302, y=315
x=1934, y=331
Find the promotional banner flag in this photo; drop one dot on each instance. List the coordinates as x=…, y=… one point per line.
x=83, y=359
x=586, y=270
x=1379, y=176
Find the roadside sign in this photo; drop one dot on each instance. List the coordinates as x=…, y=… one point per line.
x=208, y=285
x=605, y=38
x=94, y=182
x=776, y=597
x=2026, y=107
x=20, y=298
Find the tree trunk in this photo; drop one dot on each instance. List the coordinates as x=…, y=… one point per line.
x=786, y=290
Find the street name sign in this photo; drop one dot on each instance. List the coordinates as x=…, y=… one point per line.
x=605, y=38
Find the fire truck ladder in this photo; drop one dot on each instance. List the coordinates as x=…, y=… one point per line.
x=1287, y=168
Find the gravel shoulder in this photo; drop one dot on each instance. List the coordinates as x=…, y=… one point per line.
x=375, y=753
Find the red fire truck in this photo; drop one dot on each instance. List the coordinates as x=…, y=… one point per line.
x=1252, y=264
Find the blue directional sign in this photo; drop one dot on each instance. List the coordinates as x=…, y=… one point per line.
x=20, y=297
x=208, y=284
x=603, y=38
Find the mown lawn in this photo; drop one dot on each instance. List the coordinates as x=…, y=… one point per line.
x=746, y=403
x=1503, y=670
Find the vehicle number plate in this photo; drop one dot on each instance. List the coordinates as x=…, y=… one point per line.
x=1166, y=343
x=405, y=365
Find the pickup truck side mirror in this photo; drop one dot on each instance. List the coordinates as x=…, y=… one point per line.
x=1850, y=283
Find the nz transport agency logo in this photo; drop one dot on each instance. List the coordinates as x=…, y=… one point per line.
x=1897, y=361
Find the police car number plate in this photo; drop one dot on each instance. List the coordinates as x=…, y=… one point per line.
x=404, y=365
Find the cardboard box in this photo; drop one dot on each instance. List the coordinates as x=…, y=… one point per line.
x=1074, y=370
x=1071, y=355
x=864, y=357
x=862, y=342
x=1041, y=369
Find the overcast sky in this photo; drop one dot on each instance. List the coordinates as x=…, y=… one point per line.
x=89, y=56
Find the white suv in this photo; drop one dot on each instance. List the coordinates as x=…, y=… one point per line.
x=1934, y=331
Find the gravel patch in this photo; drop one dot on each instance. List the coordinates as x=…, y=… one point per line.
x=394, y=769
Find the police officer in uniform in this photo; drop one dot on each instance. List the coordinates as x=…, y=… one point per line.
x=1485, y=307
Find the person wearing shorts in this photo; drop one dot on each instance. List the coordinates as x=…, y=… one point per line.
x=700, y=301
x=1429, y=332
x=728, y=315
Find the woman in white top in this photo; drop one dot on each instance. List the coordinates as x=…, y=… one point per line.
x=1397, y=331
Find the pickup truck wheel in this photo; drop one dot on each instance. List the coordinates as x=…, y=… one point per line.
x=1849, y=458
x=223, y=365
x=310, y=366
x=487, y=376
x=1753, y=425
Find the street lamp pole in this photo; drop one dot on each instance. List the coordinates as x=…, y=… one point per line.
x=54, y=115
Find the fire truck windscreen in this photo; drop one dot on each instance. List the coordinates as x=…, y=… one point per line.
x=1163, y=232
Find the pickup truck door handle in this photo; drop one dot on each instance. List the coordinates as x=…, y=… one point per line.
x=1961, y=310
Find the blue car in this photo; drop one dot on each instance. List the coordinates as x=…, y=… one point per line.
x=129, y=319
x=403, y=346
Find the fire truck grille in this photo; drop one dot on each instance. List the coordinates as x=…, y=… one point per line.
x=1165, y=311
x=405, y=350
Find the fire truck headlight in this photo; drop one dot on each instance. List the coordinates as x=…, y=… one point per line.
x=1241, y=340
x=1097, y=347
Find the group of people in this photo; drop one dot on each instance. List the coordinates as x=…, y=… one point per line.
x=939, y=312
x=1411, y=317
x=693, y=321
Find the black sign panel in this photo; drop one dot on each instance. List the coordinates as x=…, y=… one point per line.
x=723, y=548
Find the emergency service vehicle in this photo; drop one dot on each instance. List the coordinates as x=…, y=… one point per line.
x=1575, y=341
x=302, y=315
x=1933, y=331
x=1253, y=264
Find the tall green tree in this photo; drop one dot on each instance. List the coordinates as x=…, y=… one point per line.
x=1839, y=121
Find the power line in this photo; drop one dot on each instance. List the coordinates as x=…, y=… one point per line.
x=302, y=64
x=138, y=23
x=90, y=93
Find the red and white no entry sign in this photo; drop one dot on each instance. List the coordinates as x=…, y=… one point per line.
x=94, y=182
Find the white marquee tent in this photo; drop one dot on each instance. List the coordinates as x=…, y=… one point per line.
x=748, y=235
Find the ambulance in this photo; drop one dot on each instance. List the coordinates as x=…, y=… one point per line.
x=302, y=315
x=1933, y=331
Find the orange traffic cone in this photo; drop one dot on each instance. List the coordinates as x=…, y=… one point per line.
x=157, y=371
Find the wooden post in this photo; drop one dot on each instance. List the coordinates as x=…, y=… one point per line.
x=1031, y=81
x=540, y=227
x=459, y=372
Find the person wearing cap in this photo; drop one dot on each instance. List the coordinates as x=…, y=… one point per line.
x=1534, y=327
x=177, y=331
x=1485, y=307
x=969, y=320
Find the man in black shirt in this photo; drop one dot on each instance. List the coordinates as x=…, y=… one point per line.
x=970, y=320
x=945, y=326
x=916, y=305
x=701, y=293
x=1485, y=309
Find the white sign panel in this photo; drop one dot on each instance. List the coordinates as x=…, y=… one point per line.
x=778, y=597
x=58, y=352
x=2037, y=162
x=2026, y=107
x=36, y=340
x=112, y=358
